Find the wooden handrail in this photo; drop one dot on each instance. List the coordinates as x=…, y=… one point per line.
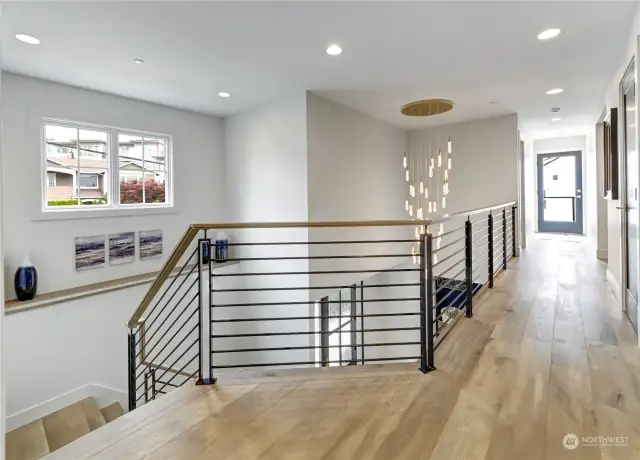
x=186, y=240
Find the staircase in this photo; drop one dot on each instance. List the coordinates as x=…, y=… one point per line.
x=50, y=433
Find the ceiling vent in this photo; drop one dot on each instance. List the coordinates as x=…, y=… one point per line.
x=426, y=107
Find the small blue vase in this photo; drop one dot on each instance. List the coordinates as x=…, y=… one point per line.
x=26, y=281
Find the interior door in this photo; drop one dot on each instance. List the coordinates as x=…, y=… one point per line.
x=630, y=205
x=560, y=192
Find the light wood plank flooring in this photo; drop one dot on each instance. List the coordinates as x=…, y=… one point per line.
x=548, y=353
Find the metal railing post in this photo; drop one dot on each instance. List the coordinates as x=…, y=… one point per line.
x=426, y=303
x=504, y=238
x=490, y=251
x=423, y=306
x=513, y=229
x=204, y=253
x=153, y=384
x=131, y=348
x=468, y=263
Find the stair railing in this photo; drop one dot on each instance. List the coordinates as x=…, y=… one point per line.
x=401, y=286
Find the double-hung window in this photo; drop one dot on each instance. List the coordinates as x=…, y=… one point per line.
x=96, y=167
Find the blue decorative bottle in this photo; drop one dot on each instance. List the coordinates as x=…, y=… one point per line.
x=26, y=281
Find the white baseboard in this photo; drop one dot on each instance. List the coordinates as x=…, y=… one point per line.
x=613, y=283
x=102, y=394
x=602, y=254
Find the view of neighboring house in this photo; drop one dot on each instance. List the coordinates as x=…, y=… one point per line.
x=89, y=181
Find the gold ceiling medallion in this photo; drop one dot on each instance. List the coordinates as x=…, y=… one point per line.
x=426, y=107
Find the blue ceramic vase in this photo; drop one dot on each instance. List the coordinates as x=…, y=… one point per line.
x=26, y=281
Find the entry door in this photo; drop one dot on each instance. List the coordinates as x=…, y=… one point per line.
x=630, y=208
x=560, y=192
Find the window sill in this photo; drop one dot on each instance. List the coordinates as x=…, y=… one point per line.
x=94, y=213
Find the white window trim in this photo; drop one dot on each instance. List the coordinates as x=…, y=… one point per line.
x=114, y=208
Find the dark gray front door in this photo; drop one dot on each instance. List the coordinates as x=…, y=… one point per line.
x=560, y=192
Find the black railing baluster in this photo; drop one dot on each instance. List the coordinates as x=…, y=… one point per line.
x=427, y=259
x=468, y=233
x=132, y=369
x=204, y=253
x=504, y=238
x=513, y=229
x=490, y=243
x=153, y=384
x=423, y=305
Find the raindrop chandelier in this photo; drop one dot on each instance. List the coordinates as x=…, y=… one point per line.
x=426, y=173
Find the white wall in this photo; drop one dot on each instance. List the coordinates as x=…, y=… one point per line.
x=199, y=178
x=267, y=181
x=354, y=173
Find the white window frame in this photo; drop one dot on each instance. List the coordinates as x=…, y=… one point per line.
x=113, y=208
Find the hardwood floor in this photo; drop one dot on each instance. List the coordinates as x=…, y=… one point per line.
x=548, y=353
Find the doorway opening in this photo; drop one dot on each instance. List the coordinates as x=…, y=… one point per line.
x=560, y=192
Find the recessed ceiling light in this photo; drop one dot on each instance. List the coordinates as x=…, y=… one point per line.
x=223, y=94
x=555, y=91
x=138, y=61
x=28, y=39
x=556, y=119
x=549, y=33
x=334, y=50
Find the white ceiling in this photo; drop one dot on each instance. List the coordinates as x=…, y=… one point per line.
x=472, y=53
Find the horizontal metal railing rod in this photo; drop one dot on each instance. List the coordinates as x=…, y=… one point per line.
x=278, y=334
x=175, y=278
x=448, y=245
x=457, y=297
x=444, y=259
x=471, y=212
x=450, y=232
x=364, y=256
x=441, y=301
x=476, y=249
x=158, y=382
x=441, y=315
x=319, y=272
x=313, y=243
x=176, y=361
x=169, y=341
x=448, y=327
x=182, y=369
x=292, y=318
x=479, y=257
x=451, y=281
x=310, y=288
x=310, y=302
x=312, y=363
x=186, y=307
x=457, y=264
x=483, y=229
x=482, y=238
x=308, y=347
